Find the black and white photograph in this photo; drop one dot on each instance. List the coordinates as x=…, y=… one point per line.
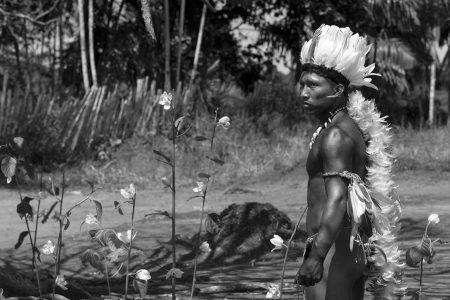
x=225, y=149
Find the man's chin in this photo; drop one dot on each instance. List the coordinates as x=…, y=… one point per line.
x=309, y=111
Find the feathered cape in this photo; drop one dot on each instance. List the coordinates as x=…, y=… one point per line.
x=380, y=185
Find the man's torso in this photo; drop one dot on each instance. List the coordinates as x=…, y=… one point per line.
x=316, y=194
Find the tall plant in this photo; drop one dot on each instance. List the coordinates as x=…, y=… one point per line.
x=177, y=130
x=12, y=158
x=202, y=186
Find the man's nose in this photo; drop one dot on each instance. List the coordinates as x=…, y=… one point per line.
x=304, y=93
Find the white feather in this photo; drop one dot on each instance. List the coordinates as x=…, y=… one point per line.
x=340, y=49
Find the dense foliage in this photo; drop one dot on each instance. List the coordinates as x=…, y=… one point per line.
x=45, y=51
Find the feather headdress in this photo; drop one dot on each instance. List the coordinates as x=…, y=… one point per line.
x=338, y=49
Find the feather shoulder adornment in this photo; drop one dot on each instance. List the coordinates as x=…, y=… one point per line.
x=387, y=210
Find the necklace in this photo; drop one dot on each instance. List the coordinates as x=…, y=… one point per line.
x=324, y=125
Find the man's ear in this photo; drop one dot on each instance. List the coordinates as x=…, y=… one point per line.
x=338, y=91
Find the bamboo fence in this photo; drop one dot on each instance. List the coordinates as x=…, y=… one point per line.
x=99, y=113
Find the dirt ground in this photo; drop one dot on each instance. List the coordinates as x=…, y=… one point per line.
x=421, y=193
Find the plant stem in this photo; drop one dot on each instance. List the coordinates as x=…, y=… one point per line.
x=107, y=277
x=35, y=239
x=88, y=197
x=421, y=270
x=203, y=206
x=129, y=249
x=287, y=250
x=34, y=246
x=33, y=242
x=61, y=223
x=174, y=257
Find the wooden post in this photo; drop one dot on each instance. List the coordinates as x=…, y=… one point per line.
x=91, y=42
x=432, y=93
x=180, y=39
x=167, y=85
x=3, y=110
x=84, y=61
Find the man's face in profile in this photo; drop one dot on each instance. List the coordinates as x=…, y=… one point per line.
x=314, y=91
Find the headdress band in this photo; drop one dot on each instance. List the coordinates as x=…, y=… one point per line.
x=327, y=73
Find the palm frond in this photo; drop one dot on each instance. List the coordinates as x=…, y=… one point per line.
x=393, y=51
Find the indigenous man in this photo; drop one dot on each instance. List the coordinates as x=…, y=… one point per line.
x=342, y=215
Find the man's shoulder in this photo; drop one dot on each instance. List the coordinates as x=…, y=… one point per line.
x=345, y=132
x=336, y=136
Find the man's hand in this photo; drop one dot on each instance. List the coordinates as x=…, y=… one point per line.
x=310, y=272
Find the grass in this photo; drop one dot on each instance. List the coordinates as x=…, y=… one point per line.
x=426, y=149
x=248, y=155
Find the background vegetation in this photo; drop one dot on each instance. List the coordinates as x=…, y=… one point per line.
x=80, y=80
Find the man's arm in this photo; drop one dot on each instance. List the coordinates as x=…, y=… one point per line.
x=336, y=152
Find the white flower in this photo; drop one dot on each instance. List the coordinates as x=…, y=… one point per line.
x=200, y=187
x=128, y=193
x=224, y=122
x=204, y=247
x=433, y=218
x=143, y=274
x=274, y=291
x=91, y=219
x=48, y=248
x=174, y=272
x=165, y=100
x=125, y=236
x=277, y=241
x=61, y=282
x=220, y=4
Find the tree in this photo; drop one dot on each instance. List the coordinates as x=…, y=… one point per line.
x=167, y=85
x=84, y=62
x=91, y=42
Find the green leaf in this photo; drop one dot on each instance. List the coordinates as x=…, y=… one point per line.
x=117, y=206
x=157, y=213
x=193, y=197
x=167, y=159
x=166, y=182
x=9, y=166
x=24, y=208
x=118, y=255
x=99, y=209
x=93, y=232
x=107, y=237
x=27, y=169
x=67, y=224
x=54, y=190
x=217, y=160
x=174, y=272
x=94, y=258
x=200, y=138
x=47, y=215
x=36, y=250
x=179, y=122
x=22, y=236
x=203, y=175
